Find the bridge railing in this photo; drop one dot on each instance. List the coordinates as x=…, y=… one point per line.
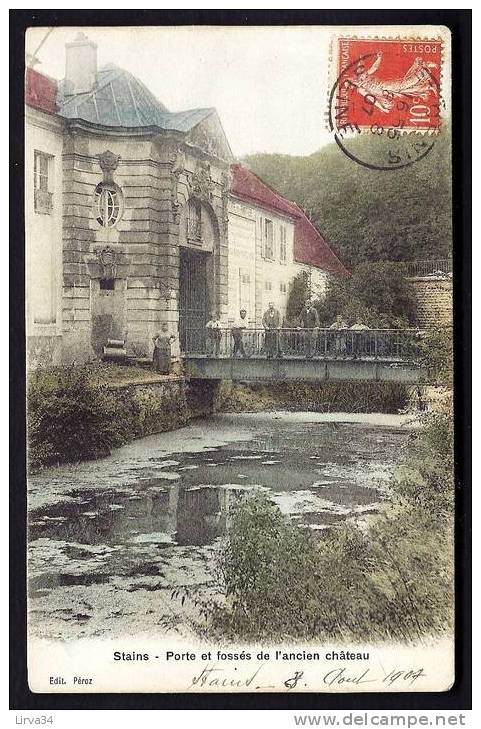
x=387, y=344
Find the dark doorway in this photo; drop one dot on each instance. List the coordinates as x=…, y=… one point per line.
x=193, y=299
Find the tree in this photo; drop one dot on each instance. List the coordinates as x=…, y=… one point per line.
x=298, y=293
x=378, y=294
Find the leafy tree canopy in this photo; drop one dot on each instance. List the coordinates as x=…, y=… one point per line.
x=298, y=295
x=377, y=294
x=369, y=215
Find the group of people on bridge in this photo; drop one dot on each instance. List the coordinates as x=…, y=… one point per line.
x=303, y=339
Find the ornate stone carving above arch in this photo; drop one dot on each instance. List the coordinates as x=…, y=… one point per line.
x=187, y=184
x=201, y=182
x=108, y=162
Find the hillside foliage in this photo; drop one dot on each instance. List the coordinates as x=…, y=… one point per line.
x=369, y=215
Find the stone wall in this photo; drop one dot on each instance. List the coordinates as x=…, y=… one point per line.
x=434, y=301
x=169, y=404
x=156, y=177
x=44, y=350
x=132, y=309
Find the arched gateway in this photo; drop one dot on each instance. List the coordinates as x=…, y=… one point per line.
x=198, y=265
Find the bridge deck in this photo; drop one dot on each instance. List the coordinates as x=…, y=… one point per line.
x=383, y=355
x=316, y=369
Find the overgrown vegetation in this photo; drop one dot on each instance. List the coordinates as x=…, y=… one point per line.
x=360, y=211
x=297, y=297
x=393, y=582
x=341, y=396
x=436, y=356
x=73, y=416
x=376, y=294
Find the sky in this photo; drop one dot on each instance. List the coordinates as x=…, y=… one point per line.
x=269, y=85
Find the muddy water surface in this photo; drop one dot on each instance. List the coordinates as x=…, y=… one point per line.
x=112, y=540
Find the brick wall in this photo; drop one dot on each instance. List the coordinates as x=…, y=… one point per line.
x=434, y=300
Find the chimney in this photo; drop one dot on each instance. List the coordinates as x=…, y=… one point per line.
x=81, y=65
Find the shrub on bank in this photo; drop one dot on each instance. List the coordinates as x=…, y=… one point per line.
x=394, y=582
x=428, y=484
x=72, y=415
x=436, y=356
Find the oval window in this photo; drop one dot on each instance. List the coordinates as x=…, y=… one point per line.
x=108, y=200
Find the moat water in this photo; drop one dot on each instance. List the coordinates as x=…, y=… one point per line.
x=112, y=541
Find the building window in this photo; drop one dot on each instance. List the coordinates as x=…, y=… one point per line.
x=268, y=286
x=108, y=200
x=43, y=197
x=244, y=290
x=283, y=244
x=269, y=239
x=283, y=287
x=194, y=222
x=107, y=284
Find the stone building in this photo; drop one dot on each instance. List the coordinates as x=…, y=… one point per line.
x=132, y=214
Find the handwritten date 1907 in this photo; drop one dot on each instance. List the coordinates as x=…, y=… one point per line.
x=341, y=675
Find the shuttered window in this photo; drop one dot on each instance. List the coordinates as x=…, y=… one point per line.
x=282, y=244
x=269, y=239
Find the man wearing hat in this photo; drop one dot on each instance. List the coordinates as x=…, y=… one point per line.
x=239, y=325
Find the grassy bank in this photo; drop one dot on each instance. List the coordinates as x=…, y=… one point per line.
x=77, y=413
x=362, y=397
x=394, y=582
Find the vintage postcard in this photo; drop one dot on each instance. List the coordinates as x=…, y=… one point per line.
x=239, y=335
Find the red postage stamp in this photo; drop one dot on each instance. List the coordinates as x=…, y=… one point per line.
x=388, y=83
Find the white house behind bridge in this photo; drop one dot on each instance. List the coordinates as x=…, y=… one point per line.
x=270, y=241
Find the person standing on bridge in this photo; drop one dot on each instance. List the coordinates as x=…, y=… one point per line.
x=237, y=334
x=271, y=321
x=340, y=343
x=310, y=320
x=214, y=335
x=358, y=339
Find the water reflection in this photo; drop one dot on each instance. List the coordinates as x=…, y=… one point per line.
x=185, y=499
x=159, y=514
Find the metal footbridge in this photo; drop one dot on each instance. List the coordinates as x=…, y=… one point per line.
x=309, y=355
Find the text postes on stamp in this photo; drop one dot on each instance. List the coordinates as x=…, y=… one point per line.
x=387, y=90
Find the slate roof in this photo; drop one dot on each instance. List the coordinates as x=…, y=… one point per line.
x=119, y=99
x=310, y=247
